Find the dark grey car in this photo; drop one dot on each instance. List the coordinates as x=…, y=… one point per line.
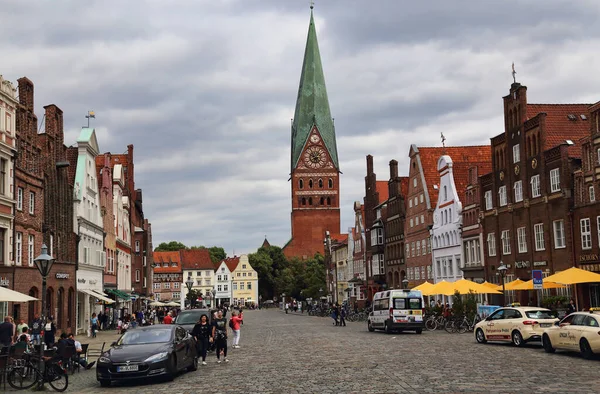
x=188, y=318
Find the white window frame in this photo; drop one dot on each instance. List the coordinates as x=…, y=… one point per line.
x=598, y=154
x=505, y=242
x=20, y=192
x=538, y=231
x=51, y=245
x=410, y=202
x=137, y=276
x=31, y=203
x=536, y=189
x=559, y=236
x=137, y=246
x=555, y=180
x=586, y=233
x=30, y=250
x=19, y=247
x=518, y=186
x=502, y=200
x=592, y=193
x=491, y=242
x=522, y=239
x=516, y=153
x=489, y=204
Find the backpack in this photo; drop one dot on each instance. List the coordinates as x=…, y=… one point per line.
x=231, y=323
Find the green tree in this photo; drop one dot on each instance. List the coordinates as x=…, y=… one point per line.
x=471, y=305
x=172, y=246
x=458, y=306
x=263, y=265
x=314, y=277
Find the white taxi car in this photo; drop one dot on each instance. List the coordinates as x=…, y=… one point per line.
x=580, y=331
x=515, y=324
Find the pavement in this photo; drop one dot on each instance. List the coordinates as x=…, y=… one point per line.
x=297, y=353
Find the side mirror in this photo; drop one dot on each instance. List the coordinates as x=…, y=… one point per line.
x=113, y=344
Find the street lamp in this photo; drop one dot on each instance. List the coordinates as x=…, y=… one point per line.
x=189, y=284
x=502, y=270
x=44, y=263
x=405, y=283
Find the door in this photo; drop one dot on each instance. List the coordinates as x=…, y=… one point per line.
x=577, y=329
x=180, y=347
x=512, y=318
x=563, y=337
x=493, y=326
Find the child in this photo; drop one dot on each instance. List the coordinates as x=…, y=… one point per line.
x=119, y=325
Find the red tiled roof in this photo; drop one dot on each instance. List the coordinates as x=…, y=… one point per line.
x=404, y=185
x=558, y=126
x=196, y=259
x=382, y=189
x=463, y=157
x=341, y=238
x=167, y=257
x=232, y=263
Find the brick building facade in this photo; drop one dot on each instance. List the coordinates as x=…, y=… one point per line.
x=527, y=199
x=168, y=276
x=395, y=264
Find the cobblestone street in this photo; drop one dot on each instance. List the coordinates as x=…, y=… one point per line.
x=300, y=354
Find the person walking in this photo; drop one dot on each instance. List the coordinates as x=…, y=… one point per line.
x=343, y=316
x=236, y=322
x=334, y=315
x=7, y=330
x=36, y=330
x=49, y=333
x=168, y=319
x=94, y=324
x=202, y=331
x=219, y=334
x=571, y=307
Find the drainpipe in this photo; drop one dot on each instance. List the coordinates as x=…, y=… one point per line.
x=14, y=227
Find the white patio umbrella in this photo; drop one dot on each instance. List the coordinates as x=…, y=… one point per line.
x=7, y=295
x=156, y=303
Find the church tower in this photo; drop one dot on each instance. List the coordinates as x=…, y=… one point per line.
x=314, y=160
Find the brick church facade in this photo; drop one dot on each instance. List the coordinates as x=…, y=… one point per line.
x=314, y=161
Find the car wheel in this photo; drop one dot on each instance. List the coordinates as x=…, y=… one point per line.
x=480, y=336
x=171, y=368
x=419, y=331
x=547, y=344
x=388, y=330
x=586, y=349
x=105, y=383
x=517, y=339
x=370, y=327
x=194, y=365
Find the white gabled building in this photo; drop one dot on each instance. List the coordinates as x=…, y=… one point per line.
x=447, y=224
x=89, y=227
x=223, y=284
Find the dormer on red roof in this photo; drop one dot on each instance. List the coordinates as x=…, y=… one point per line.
x=167, y=262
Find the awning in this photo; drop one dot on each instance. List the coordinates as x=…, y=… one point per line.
x=96, y=295
x=103, y=297
x=118, y=293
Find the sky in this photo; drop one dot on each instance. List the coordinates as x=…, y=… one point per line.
x=205, y=90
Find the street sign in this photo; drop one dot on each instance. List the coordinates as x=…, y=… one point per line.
x=538, y=279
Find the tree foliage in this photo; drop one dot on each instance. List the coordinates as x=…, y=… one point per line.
x=172, y=246
x=217, y=253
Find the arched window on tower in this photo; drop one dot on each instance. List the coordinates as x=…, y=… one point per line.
x=330, y=183
x=310, y=184
x=309, y=200
x=320, y=183
x=301, y=184
x=303, y=201
x=322, y=202
x=328, y=200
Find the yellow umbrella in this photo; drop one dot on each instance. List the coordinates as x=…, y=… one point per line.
x=511, y=285
x=423, y=287
x=464, y=286
x=547, y=285
x=443, y=288
x=573, y=276
x=490, y=285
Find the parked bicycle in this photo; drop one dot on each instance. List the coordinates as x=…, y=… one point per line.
x=26, y=374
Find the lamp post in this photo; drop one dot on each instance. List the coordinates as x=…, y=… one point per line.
x=44, y=263
x=189, y=284
x=502, y=270
x=405, y=283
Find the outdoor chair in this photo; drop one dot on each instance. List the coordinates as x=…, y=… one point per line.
x=4, y=351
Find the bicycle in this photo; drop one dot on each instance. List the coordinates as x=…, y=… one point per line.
x=25, y=375
x=465, y=325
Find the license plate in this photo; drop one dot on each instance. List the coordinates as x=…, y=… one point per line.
x=128, y=368
x=546, y=325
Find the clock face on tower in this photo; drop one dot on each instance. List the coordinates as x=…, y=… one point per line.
x=315, y=139
x=315, y=157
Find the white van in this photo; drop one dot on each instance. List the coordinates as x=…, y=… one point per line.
x=397, y=310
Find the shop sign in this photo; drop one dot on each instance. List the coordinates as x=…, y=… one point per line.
x=522, y=264
x=4, y=282
x=591, y=267
x=588, y=257
x=93, y=281
x=80, y=280
x=540, y=263
x=62, y=275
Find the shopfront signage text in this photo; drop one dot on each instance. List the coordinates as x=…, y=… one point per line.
x=540, y=263
x=522, y=264
x=588, y=257
x=62, y=275
x=93, y=281
x=81, y=280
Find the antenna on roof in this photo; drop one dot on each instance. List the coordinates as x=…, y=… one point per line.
x=514, y=73
x=90, y=115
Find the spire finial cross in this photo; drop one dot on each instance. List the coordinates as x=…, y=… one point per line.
x=514, y=73
x=443, y=139
x=312, y=4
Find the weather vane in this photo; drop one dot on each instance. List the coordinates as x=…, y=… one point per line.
x=514, y=73
x=443, y=139
x=312, y=4
x=90, y=115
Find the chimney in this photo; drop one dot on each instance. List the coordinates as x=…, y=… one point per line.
x=26, y=93
x=369, y=164
x=54, y=120
x=393, y=169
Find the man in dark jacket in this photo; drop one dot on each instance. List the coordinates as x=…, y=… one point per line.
x=7, y=332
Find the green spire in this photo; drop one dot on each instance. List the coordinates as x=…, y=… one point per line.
x=312, y=105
